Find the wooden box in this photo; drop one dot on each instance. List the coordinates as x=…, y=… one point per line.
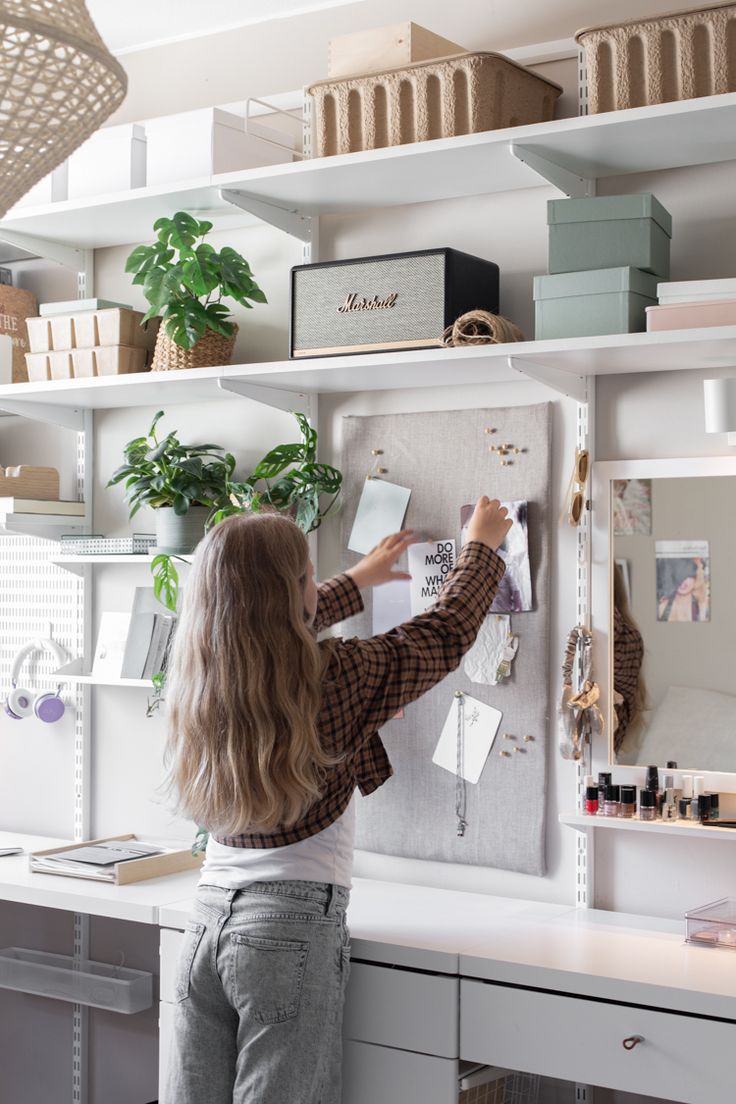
x=385, y=48
x=17, y=304
x=675, y=56
x=464, y=94
x=41, y=484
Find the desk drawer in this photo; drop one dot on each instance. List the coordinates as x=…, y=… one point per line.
x=380, y=1075
x=402, y=1009
x=681, y=1058
x=169, y=948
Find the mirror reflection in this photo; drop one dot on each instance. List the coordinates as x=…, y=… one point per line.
x=674, y=622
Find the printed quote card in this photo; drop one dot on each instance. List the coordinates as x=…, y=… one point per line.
x=429, y=566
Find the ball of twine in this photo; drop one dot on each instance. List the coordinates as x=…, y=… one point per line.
x=479, y=327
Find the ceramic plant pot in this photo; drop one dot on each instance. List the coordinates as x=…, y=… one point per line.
x=178, y=534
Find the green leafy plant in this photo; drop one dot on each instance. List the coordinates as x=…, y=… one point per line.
x=288, y=478
x=167, y=473
x=185, y=280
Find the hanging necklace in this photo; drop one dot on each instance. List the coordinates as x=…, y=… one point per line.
x=461, y=793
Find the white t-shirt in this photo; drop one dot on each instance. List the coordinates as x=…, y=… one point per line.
x=324, y=857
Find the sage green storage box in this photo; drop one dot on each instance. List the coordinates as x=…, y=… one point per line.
x=608, y=232
x=600, y=301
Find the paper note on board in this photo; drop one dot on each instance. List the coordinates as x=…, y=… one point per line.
x=391, y=605
x=380, y=513
x=429, y=565
x=480, y=723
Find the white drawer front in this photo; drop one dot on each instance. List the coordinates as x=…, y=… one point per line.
x=165, y=1029
x=401, y=1009
x=380, y=1075
x=169, y=950
x=680, y=1058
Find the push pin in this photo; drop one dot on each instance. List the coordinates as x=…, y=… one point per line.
x=508, y=736
x=493, y=448
x=506, y=463
x=489, y=429
x=381, y=471
x=517, y=451
x=528, y=739
x=505, y=754
x=522, y=750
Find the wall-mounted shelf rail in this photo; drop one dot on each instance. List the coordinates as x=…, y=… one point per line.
x=677, y=828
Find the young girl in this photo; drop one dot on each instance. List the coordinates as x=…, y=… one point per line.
x=270, y=733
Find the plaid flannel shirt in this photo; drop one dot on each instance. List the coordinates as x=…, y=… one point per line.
x=628, y=653
x=366, y=682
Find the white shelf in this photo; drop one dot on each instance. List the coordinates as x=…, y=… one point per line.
x=74, y=673
x=678, y=828
x=643, y=139
x=77, y=564
x=565, y=361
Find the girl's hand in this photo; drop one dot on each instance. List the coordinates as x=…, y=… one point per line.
x=377, y=567
x=489, y=523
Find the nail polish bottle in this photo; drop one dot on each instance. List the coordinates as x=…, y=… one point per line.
x=613, y=801
x=704, y=808
x=672, y=766
x=669, y=808
x=647, y=805
x=698, y=788
x=627, y=809
x=687, y=787
x=685, y=808
x=714, y=806
x=591, y=800
x=652, y=784
x=604, y=779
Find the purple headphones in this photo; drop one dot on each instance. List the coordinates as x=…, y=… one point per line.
x=20, y=703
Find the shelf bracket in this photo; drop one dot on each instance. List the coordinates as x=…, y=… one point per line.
x=68, y=417
x=269, y=396
x=290, y=221
x=572, y=184
x=574, y=387
x=78, y=260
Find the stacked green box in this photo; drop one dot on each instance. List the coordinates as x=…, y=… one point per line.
x=599, y=301
x=606, y=255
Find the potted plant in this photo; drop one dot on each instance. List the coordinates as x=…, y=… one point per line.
x=185, y=280
x=183, y=484
x=288, y=478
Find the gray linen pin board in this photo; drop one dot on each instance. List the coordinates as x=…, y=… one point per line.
x=444, y=458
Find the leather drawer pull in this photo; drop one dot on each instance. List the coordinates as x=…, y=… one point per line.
x=632, y=1041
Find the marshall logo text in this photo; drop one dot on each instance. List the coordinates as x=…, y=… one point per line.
x=354, y=303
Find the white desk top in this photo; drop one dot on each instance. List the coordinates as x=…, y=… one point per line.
x=140, y=901
x=612, y=956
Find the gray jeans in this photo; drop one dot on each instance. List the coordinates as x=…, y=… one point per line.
x=260, y=992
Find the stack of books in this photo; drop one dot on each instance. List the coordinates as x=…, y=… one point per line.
x=135, y=645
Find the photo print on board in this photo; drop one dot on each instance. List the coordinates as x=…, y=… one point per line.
x=683, y=580
x=515, y=592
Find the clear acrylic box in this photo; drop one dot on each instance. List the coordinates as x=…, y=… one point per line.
x=60, y=977
x=713, y=925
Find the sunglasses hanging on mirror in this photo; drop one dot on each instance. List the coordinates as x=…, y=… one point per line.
x=576, y=489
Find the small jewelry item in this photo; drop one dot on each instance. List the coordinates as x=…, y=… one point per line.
x=461, y=793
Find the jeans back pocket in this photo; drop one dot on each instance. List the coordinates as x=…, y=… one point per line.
x=268, y=976
x=192, y=938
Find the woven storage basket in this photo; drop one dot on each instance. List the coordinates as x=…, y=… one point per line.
x=463, y=94
x=676, y=56
x=211, y=350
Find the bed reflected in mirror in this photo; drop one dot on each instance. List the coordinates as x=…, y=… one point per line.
x=673, y=621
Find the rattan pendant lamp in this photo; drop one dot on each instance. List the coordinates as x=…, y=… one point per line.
x=58, y=84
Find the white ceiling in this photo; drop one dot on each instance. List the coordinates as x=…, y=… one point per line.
x=136, y=24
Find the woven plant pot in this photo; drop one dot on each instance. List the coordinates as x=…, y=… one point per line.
x=210, y=351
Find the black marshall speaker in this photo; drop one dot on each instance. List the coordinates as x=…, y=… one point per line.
x=397, y=301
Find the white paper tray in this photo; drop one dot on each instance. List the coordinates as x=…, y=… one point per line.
x=59, y=977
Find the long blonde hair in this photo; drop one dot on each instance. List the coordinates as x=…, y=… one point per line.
x=243, y=687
